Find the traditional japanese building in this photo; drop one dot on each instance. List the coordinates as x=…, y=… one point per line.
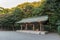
x=33, y=23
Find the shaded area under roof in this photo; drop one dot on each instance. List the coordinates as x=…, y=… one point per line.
x=34, y=19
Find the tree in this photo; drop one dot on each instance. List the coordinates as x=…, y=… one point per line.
x=52, y=9
x=17, y=16
x=1, y=10
x=28, y=11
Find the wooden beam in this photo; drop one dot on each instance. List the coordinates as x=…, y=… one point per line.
x=26, y=27
x=33, y=27
x=21, y=27
x=41, y=27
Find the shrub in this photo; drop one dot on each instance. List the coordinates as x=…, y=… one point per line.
x=46, y=28
x=58, y=29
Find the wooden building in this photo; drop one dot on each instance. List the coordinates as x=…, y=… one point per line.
x=26, y=22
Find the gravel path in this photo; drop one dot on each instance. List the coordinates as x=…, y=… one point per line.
x=9, y=35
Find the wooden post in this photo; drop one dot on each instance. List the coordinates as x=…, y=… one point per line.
x=40, y=27
x=13, y=27
x=26, y=27
x=21, y=27
x=33, y=27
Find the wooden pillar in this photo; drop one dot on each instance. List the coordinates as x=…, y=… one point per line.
x=33, y=27
x=26, y=27
x=13, y=27
x=21, y=27
x=41, y=27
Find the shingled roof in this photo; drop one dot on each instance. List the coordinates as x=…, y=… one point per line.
x=33, y=19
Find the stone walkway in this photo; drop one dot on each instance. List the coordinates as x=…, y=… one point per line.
x=6, y=35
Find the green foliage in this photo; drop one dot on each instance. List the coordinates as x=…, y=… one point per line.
x=46, y=7
x=46, y=28
x=8, y=19
x=52, y=9
x=58, y=29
